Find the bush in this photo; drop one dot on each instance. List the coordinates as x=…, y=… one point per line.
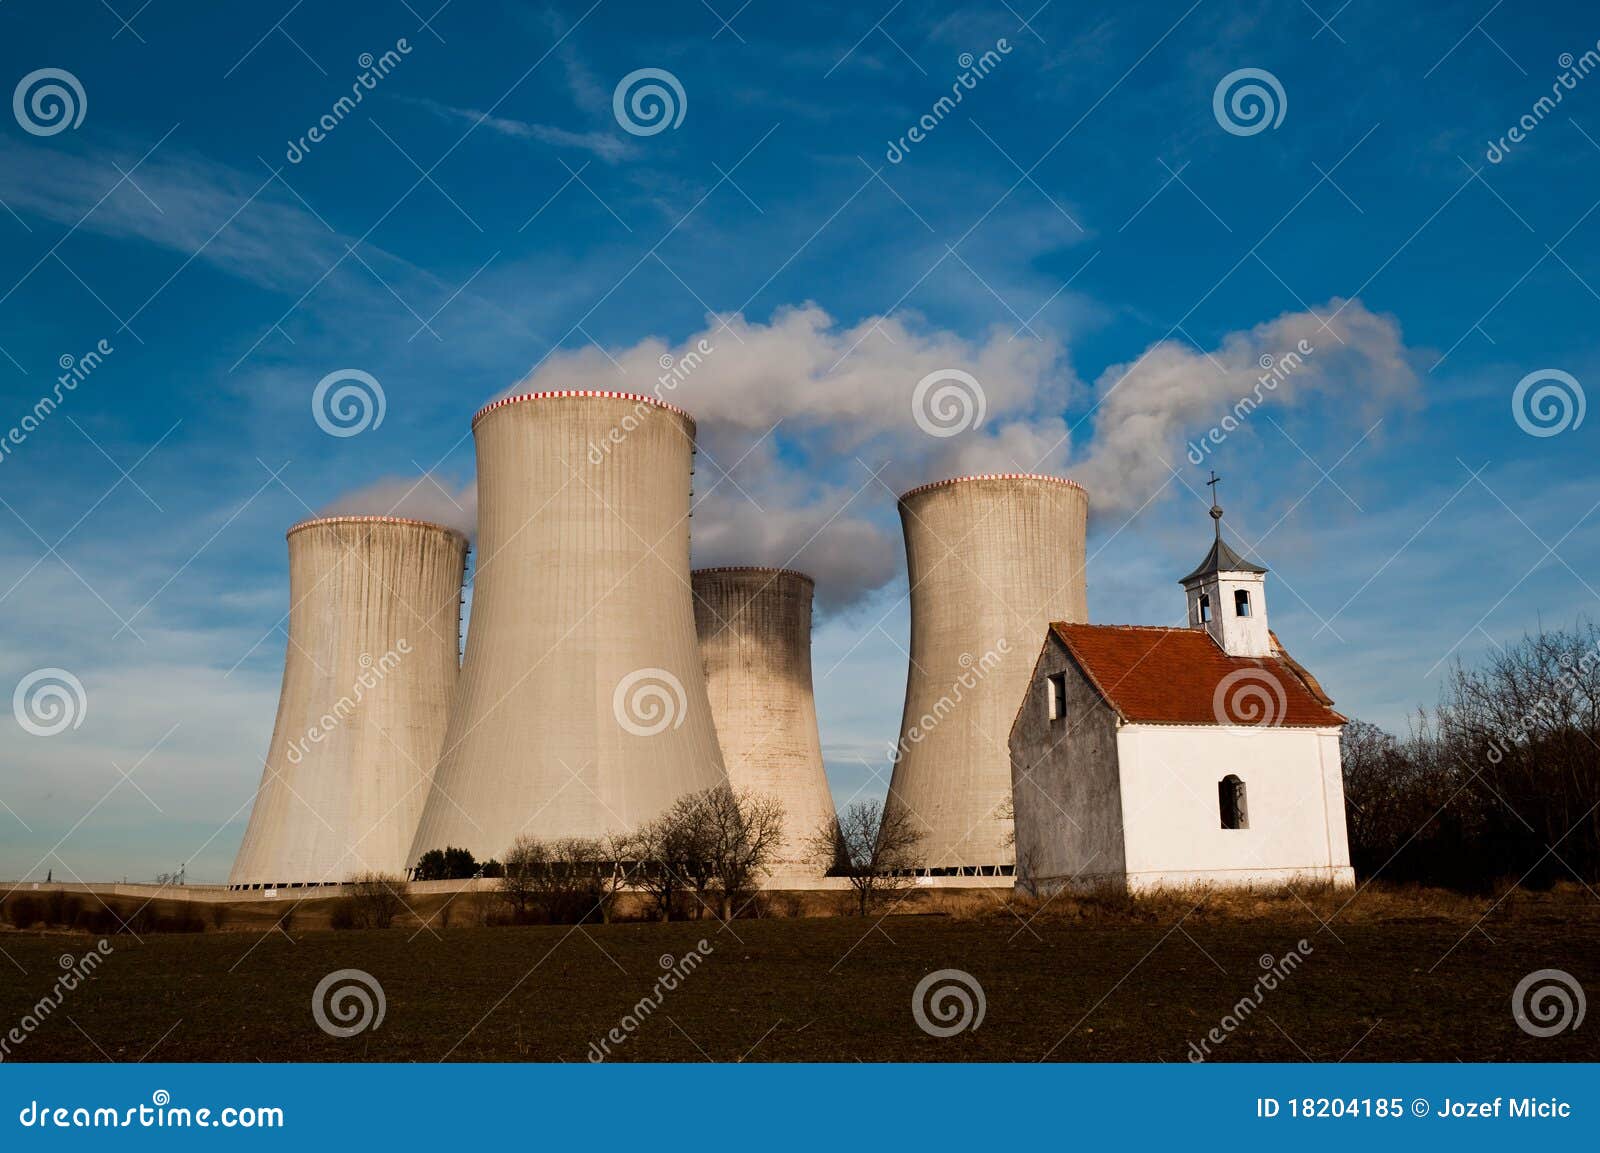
x=1506, y=766
x=24, y=912
x=561, y=882
x=62, y=908
x=184, y=919
x=343, y=914
x=100, y=922
x=447, y=864
x=376, y=899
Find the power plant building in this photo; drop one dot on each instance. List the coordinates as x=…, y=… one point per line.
x=582, y=708
x=369, y=672
x=991, y=560
x=755, y=636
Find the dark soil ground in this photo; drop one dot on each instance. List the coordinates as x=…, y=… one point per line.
x=1390, y=977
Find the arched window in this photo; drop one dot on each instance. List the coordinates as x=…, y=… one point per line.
x=1231, y=802
x=1205, y=607
x=1241, y=602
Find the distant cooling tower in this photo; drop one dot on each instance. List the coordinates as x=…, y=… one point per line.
x=992, y=560
x=581, y=709
x=755, y=635
x=371, y=666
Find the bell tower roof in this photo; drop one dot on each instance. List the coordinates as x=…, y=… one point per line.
x=1221, y=557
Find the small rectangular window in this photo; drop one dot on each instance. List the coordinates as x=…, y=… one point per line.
x=1056, y=693
x=1241, y=602
x=1205, y=608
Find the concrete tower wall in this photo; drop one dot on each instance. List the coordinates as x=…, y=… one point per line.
x=582, y=707
x=755, y=636
x=371, y=666
x=992, y=560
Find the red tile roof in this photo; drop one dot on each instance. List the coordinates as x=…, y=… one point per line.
x=1180, y=676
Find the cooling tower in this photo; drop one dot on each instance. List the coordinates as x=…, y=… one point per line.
x=755, y=636
x=371, y=666
x=991, y=560
x=581, y=709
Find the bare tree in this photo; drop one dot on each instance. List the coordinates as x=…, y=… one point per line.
x=690, y=848
x=1528, y=725
x=743, y=830
x=560, y=880
x=873, y=847
x=517, y=884
x=619, y=868
x=673, y=860
x=376, y=899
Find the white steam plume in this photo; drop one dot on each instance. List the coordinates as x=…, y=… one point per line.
x=420, y=498
x=808, y=429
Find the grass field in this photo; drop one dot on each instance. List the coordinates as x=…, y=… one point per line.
x=1390, y=978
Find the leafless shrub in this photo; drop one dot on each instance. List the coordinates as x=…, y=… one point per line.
x=743, y=832
x=376, y=899
x=715, y=844
x=874, y=848
x=564, y=881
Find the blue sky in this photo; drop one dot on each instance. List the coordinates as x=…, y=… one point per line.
x=1082, y=233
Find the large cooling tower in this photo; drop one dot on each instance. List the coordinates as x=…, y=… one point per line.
x=581, y=709
x=992, y=560
x=374, y=627
x=755, y=636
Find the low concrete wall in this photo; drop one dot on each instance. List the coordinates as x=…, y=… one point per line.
x=200, y=893
x=210, y=894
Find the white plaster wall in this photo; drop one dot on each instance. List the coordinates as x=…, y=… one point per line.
x=1238, y=636
x=1172, y=828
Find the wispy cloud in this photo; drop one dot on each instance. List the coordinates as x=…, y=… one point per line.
x=604, y=146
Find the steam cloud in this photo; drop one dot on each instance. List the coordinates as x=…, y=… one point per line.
x=806, y=428
x=417, y=498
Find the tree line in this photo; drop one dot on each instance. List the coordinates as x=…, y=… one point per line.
x=705, y=856
x=1499, y=784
